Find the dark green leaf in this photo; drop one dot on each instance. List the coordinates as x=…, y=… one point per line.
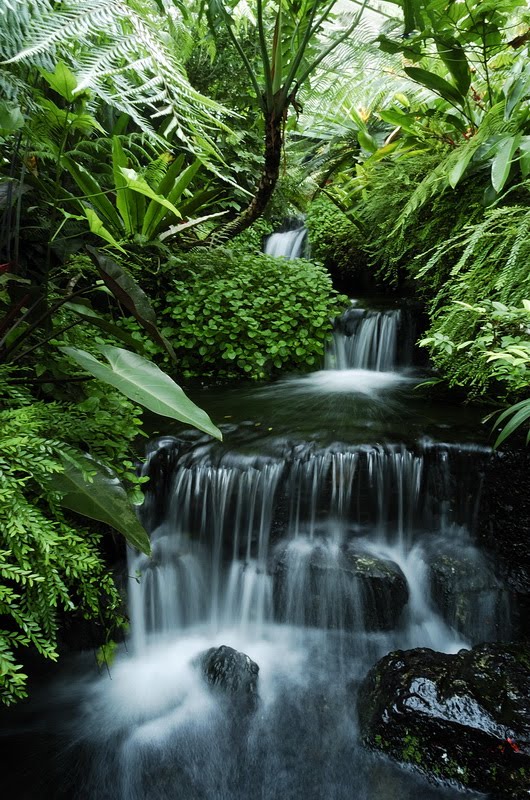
x=436, y=84
x=129, y=294
x=86, y=312
x=102, y=498
x=454, y=58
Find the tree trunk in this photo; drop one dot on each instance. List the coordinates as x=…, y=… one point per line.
x=265, y=187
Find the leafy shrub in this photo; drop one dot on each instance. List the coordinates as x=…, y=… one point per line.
x=233, y=314
x=51, y=562
x=392, y=249
x=338, y=243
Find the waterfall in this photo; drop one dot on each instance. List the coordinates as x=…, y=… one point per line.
x=316, y=538
x=237, y=526
x=289, y=244
x=369, y=340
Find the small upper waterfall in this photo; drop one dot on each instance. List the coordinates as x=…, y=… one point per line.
x=289, y=244
x=370, y=340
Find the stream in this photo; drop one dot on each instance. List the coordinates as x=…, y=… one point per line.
x=320, y=535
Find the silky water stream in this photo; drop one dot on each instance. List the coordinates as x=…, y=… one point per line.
x=334, y=524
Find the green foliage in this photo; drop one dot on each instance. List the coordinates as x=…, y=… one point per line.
x=128, y=54
x=250, y=241
x=49, y=564
x=497, y=352
x=232, y=314
x=391, y=251
x=336, y=241
x=489, y=271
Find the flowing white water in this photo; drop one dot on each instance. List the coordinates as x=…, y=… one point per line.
x=371, y=342
x=289, y=244
x=315, y=562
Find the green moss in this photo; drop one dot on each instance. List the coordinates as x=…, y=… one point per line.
x=412, y=751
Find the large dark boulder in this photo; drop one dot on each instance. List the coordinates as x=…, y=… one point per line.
x=470, y=597
x=233, y=674
x=463, y=717
x=338, y=589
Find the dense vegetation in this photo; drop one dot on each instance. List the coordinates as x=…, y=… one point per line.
x=138, y=140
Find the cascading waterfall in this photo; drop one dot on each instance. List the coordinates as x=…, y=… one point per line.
x=315, y=560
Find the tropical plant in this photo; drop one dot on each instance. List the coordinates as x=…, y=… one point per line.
x=128, y=53
x=338, y=243
x=299, y=41
x=466, y=55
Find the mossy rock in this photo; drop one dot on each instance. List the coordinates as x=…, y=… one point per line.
x=463, y=717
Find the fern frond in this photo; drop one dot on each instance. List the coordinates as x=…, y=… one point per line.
x=134, y=67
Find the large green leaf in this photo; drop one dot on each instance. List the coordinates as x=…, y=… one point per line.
x=500, y=168
x=99, y=496
x=144, y=383
x=63, y=81
x=408, y=122
x=171, y=187
x=436, y=84
x=125, y=289
x=138, y=184
x=11, y=118
x=453, y=55
x=98, y=228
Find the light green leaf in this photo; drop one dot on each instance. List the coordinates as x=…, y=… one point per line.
x=138, y=184
x=500, y=168
x=11, y=118
x=460, y=166
x=102, y=497
x=366, y=141
x=143, y=382
x=171, y=187
x=62, y=81
x=97, y=227
x=127, y=202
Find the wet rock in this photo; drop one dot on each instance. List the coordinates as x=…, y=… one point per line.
x=463, y=717
x=504, y=519
x=232, y=673
x=470, y=597
x=327, y=587
x=348, y=322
